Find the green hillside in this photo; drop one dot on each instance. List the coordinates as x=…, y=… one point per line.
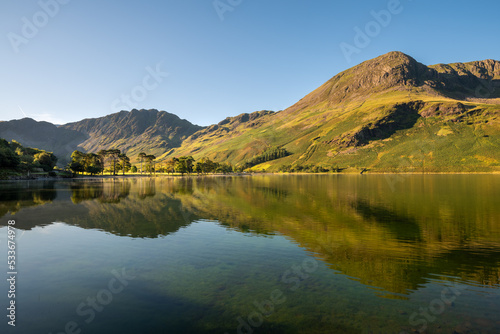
x=386, y=114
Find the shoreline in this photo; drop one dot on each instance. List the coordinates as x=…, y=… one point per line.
x=103, y=177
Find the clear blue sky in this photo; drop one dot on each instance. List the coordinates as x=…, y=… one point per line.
x=264, y=54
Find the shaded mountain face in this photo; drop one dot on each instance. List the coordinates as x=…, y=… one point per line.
x=390, y=112
x=43, y=135
x=470, y=81
x=149, y=131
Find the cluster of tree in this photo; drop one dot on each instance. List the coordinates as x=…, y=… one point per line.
x=205, y=166
x=96, y=163
x=15, y=156
x=93, y=164
x=187, y=165
x=86, y=162
x=310, y=168
x=268, y=155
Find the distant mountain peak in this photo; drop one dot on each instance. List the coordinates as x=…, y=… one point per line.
x=148, y=130
x=393, y=57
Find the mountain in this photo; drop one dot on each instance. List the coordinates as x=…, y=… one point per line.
x=42, y=135
x=388, y=113
x=151, y=131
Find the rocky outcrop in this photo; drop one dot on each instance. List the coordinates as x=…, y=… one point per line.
x=399, y=117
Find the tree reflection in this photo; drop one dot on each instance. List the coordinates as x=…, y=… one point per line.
x=110, y=191
x=14, y=196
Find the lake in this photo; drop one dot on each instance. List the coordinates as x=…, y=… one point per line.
x=255, y=254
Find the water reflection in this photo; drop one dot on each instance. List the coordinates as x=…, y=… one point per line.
x=17, y=195
x=106, y=192
x=394, y=239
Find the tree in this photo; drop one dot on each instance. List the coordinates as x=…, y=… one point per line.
x=150, y=161
x=125, y=163
x=184, y=165
x=46, y=159
x=198, y=168
x=142, y=156
x=102, y=156
x=180, y=167
x=170, y=165
x=86, y=162
x=93, y=163
x=206, y=165
x=272, y=153
x=189, y=163
x=159, y=168
x=133, y=169
x=224, y=168
x=77, y=163
x=114, y=154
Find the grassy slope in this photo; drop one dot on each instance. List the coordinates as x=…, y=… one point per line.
x=432, y=144
x=318, y=128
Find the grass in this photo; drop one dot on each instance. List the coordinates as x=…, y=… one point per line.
x=366, y=128
x=447, y=146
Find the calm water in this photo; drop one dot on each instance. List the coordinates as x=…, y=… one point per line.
x=264, y=254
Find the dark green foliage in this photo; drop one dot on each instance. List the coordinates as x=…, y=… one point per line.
x=8, y=157
x=204, y=166
x=268, y=155
x=46, y=160
x=86, y=162
x=150, y=163
x=124, y=164
x=113, y=155
x=15, y=156
x=184, y=165
x=224, y=168
x=310, y=168
x=141, y=157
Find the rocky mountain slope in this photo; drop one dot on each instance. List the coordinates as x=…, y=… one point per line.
x=388, y=113
x=151, y=131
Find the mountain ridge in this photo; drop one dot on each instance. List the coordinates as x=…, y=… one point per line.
x=132, y=131
x=129, y=130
